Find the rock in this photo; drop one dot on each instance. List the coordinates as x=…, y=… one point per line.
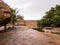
x=4, y=13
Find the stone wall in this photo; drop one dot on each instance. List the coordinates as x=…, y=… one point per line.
x=31, y=23
x=28, y=23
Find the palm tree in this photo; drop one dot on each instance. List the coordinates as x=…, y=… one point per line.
x=13, y=16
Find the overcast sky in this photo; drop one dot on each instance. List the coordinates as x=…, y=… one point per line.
x=32, y=9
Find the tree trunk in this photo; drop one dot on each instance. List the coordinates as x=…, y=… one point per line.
x=13, y=26
x=24, y=22
x=5, y=28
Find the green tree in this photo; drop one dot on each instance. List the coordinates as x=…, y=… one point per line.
x=13, y=16
x=19, y=17
x=52, y=17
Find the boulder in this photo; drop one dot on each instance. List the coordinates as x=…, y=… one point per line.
x=4, y=13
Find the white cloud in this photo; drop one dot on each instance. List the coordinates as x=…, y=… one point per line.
x=32, y=9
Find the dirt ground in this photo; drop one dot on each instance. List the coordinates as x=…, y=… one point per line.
x=26, y=36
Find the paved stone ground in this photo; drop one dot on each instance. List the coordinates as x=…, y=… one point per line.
x=26, y=36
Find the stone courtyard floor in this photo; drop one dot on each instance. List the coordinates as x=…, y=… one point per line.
x=26, y=36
